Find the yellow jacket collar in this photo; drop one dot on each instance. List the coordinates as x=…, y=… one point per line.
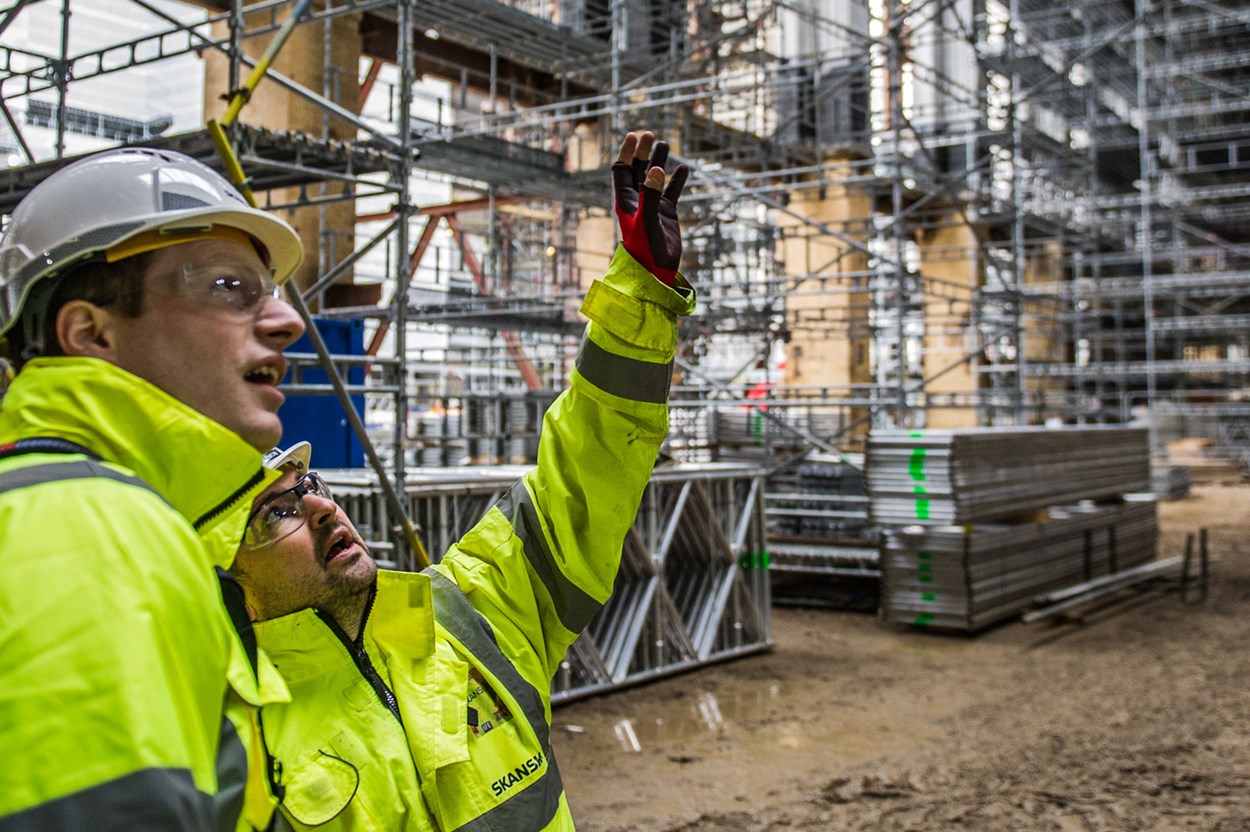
x=203, y=469
x=401, y=621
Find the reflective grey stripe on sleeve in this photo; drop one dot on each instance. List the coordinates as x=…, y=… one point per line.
x=231, y=777
x=536, y=805
x=628, y=378
x=574, y=607
x=151, y=800
x=55, y=471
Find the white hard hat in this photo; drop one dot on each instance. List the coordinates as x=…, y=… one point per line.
x=297, y=456
x=87, y=208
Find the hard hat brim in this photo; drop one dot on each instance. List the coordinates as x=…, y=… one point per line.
x=298, y=455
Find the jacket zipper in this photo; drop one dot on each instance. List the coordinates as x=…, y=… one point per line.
x=356, y=650
x=221, y=507
x=45, y=445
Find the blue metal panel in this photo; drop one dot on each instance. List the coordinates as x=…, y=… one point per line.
x=320, y=419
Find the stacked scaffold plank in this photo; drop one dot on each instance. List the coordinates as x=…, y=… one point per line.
x=977, y=523
x=693, y=585
x=976, y=475
x=748, y=433
x=1170, y=481
x=966, y=578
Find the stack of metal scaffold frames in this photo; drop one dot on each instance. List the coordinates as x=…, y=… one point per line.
x=965, y=578
x=693, y=585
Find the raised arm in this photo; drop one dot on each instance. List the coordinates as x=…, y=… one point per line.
x=543, y=560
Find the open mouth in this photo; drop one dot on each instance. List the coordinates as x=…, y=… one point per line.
x=339, y=547
x=268, y=374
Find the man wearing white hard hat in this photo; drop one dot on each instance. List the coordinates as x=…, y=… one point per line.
x=422, y=702
x=138, y=305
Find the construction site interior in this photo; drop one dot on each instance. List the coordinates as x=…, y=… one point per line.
x=970, y=357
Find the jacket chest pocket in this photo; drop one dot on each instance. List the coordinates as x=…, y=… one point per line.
x=319, y=788
x=347, y=779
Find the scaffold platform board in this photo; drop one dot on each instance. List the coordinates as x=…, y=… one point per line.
x=291, y=159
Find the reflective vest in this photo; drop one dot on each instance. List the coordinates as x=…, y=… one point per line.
x=438, y=716
x=126, y=699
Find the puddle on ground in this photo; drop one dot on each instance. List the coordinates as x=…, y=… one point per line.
x=774, y=716
x=682, y=720
x=663, y=722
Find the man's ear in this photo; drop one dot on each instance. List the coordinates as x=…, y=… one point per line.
x=84, y=329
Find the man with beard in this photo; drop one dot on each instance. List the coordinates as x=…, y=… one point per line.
x=422, y=701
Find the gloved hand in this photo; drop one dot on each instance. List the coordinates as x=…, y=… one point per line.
x=647, y=216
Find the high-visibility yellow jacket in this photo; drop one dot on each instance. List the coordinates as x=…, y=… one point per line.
x=126, y=698
x=438, y=717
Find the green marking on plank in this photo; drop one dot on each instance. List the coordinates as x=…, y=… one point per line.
x=922, y=509
x=915, y=466
x=754, y=560
x=924, y=571
x=923, y=619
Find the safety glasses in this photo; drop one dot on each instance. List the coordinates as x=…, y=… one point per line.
x=284, y=513
x=237, y=289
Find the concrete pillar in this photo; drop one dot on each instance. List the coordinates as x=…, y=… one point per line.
x=328, y=231
x=595, y=239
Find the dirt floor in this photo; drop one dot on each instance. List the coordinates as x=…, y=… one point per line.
x=1136, y=718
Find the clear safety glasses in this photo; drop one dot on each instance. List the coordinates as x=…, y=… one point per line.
x=232, y=288
x=284, y=513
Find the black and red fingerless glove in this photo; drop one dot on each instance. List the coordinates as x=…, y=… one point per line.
x=647, y=216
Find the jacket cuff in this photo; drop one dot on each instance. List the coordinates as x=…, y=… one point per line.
x=636, y=310
x=631, y=277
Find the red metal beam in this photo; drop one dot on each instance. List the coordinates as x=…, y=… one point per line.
x=512, y=341
x=445, y=208
x=366, y=86
x=427, y=234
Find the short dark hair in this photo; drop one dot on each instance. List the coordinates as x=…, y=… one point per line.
x=117, y=284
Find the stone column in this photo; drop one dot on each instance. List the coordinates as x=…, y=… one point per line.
x=827, y=308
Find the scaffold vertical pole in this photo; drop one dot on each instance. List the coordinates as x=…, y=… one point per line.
x=1145, y=234
x=895, y=19
x=403, y=211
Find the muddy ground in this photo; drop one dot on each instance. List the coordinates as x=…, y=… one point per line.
x=1134, y=718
